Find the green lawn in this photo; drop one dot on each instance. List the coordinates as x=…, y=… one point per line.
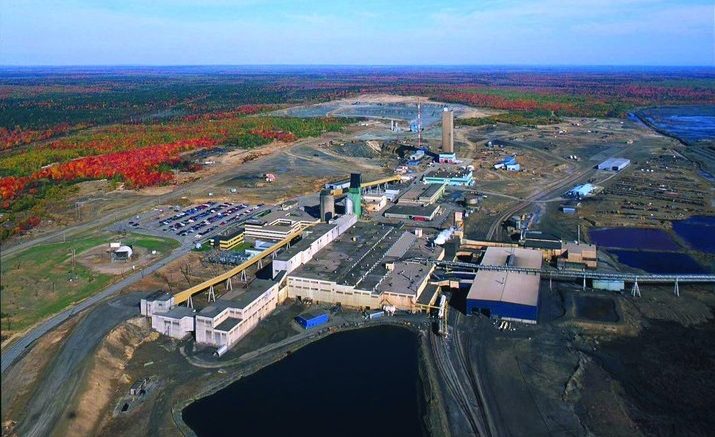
x=41, y=280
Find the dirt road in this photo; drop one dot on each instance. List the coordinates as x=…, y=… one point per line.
x=65, y=373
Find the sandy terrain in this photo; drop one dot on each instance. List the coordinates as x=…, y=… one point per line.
x=106, y=377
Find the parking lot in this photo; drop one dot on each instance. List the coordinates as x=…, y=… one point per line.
x=192, y=224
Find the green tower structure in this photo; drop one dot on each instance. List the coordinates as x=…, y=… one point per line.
x=355, y=194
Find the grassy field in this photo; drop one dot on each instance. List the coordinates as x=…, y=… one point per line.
x=43, y=280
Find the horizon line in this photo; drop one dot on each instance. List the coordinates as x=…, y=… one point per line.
x=712, y=66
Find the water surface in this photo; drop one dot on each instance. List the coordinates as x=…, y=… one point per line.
x=355, y=383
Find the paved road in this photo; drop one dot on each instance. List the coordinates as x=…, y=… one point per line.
x=66, y=371
x=14, y=351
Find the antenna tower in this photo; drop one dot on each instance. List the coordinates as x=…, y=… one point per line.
x=419, y=124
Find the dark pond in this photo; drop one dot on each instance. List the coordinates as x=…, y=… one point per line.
x=633, y=238
x=355, y=383
x=658, y=262
x=698, y=232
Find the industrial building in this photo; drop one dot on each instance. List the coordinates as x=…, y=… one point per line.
x=227, y=242
x=412, y=212
x=178, y=322
x=508, y=163
x=223, y=323
x=374, y=202
x=458, y=177
x=548, y=244
x=342, y=184
x=510, y=295
x=578, y=256
x=156, y=302
x=614, y=164
x=311, y=319
x=278, y=224
x=422, y=194
x=363, y=269
x=312, y=240
x=580, y=191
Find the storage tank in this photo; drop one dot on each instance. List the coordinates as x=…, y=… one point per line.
x=327, y=205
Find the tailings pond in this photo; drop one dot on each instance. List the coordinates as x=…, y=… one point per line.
x=654, y=250
x=355, y=383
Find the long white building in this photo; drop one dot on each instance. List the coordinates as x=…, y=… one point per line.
x=229, y=319
x=313, y=239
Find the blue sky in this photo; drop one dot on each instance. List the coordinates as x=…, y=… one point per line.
x=183, y=32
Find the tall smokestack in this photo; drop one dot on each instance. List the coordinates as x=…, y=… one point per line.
x=355, y=180
x=447, y=131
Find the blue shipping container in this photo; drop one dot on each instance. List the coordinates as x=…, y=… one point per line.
x=311, y=320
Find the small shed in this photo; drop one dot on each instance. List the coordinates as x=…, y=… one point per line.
x=312, y=319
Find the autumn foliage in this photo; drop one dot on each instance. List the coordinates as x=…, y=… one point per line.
x=136, y=167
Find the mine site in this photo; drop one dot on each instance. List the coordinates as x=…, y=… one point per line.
x=457, y=271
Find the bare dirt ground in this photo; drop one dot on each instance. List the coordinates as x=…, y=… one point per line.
x=650, y=373
x=106, y=377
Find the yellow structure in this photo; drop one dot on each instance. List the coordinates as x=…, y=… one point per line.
x=228, y=242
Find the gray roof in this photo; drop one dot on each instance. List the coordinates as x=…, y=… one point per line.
x=217, y=307
x=241, y=298
x=358, y=263
x=444, y=173
x=228, y=324
x=178, y=313
x=310, y=235
x=158, y=295
x=431, y=190
x=402, y=245
x=404, y=278
x=412, y=210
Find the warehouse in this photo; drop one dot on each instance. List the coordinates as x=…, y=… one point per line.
x=176, y=323
x=313, y=239
x=412, y=212
x=459, y=177
x=580, y=191
x=509, y=295
x=422, y=194
x=614, y=164
x=312, y=319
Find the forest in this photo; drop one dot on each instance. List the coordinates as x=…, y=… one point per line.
x=62, y=126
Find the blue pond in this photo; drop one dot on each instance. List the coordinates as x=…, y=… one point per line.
x=698, y=232
x=355, y=383
x=633, y=238
x=658, y=262
x=689, y=123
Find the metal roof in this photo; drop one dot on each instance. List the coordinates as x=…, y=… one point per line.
x=505, y=286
